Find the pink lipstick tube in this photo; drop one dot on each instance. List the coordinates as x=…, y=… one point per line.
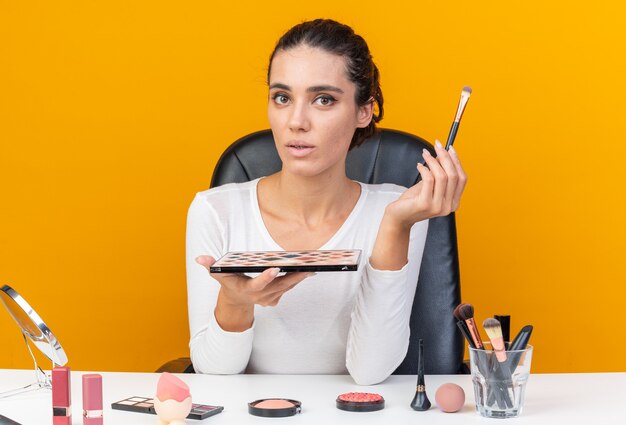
x=92, y=399
x=61, y=396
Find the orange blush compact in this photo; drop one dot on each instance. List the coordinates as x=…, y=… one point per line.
x=274, y=407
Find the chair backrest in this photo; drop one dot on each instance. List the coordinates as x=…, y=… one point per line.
x=388, y=157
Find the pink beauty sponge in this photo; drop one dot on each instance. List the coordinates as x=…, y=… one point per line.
x=450, y=398
x=171, y=388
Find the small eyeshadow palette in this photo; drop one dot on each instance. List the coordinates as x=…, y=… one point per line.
x=343, y=260
x=146, y=405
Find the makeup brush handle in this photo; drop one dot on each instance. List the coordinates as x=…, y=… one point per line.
x=452, y=135
x=519, y=343
x=495, y=393
x=503, y=380
x=463, y=328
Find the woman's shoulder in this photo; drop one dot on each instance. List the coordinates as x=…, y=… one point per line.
x=228, y=190
x=226, y=197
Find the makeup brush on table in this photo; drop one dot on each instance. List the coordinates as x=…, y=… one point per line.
x=420, y=401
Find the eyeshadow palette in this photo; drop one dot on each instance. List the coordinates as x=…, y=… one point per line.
x=146, y=405
x=343, y=260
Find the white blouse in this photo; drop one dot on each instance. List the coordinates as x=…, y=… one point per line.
x=331, y=323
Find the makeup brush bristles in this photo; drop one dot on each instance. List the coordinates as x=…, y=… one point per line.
x=494, y=331
x=465, y=95
x=456, y=313
x=466, y=311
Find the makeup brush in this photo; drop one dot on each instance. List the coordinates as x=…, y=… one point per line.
x=463, y=327
x=465, y=95
x=519, y=343
x=505, y=322
x=420, y=401
x=466, y=311
x=500, y=369
x=494, y=330
x=521, y=339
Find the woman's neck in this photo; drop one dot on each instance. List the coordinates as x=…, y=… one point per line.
x=310, y=199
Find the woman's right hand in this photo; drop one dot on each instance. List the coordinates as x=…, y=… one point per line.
x=239, y=293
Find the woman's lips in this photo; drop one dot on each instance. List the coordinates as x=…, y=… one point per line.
x=299, y=150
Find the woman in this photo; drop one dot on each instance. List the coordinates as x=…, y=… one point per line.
x=324, y=98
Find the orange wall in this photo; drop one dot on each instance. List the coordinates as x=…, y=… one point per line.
x=113, y=114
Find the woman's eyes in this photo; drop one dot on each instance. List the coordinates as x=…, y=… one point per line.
x=280, y=98
x=325, y=100
x=322, y=100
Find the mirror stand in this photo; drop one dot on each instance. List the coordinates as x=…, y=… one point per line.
x=36, y=332
x=42, y=381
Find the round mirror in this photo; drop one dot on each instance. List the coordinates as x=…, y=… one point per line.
x=32, y=326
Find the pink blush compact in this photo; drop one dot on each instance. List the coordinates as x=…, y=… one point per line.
x=360, y=402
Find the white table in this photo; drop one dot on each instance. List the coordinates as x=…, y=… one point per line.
x=550, y=399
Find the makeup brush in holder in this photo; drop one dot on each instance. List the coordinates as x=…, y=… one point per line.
x=420, y=402
x=499, y=369
x=465, y=313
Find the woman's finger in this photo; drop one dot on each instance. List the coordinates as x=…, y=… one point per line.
x=428, y=183
x=439, y=188
x=462, y=182
x=279, y=288
x=261, y=281
x=288, y=281
x=205, y=260
x=452, y=177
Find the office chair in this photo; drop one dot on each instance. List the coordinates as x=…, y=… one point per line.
x=389, y=156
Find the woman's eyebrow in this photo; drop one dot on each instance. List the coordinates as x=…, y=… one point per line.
x=280, y=86
x=313, y=89
x=316, y=89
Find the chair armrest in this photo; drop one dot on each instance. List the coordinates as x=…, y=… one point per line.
x=181, y=365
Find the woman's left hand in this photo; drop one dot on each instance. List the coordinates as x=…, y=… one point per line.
x=437, y=194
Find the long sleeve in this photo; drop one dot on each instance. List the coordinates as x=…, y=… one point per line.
x=379, y=332
x=212, y=349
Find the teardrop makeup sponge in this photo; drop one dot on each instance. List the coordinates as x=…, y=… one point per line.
x=450, y=398
x=171, y=387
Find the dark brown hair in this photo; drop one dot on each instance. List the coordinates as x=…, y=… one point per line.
x=340, y=39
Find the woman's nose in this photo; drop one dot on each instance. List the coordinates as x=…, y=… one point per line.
x=299, y=117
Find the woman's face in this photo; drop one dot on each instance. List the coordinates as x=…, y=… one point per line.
x=312, y=110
